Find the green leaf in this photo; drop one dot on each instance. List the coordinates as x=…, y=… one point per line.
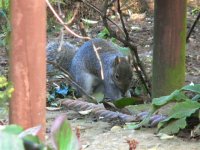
x=130, y=126
x=177, y=95
x=184, y=109
x=121, y=103
x=193, y=88
x=179, y=111
x=104, y=34
x=31, y=138
x=10, y=141
x=63, y=137
x=173, y=126
x=13, y=129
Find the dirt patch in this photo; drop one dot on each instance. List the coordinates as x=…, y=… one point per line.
x=103, y=136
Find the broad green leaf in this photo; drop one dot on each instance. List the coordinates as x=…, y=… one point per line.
x=184, y=109
x=10, y=141
x=177, y=95
x=121, y=103
x=13, y=129
x=63, y=136
x=193, y=88
x=173, y=126
x=181, y=110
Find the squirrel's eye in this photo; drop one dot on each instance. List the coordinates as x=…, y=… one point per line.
x=116, y=76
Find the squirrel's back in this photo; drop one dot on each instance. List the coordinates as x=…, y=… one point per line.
x=86, y=56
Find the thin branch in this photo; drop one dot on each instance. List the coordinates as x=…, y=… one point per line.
x=62, y=22
x=75, y=16
x=122, y=21
x=61, y=39
x=101, y=14
x=71, y=81
x=99, y=59
x=192, y=28
x=82, y=28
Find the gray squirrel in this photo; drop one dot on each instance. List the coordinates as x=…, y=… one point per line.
x=85, y=69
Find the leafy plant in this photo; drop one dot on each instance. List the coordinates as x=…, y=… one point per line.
x=183, y=109
x=5, y=28
x=62, y=135
x=6, y=90
x=20, y=139
x=195, y=11
x=4, y=4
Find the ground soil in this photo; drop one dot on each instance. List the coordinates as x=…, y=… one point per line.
x=100, y=135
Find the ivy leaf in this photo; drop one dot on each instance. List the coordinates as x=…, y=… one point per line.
x=184, y=109
x=174, y=126
x=179, y=112
x=177, y=95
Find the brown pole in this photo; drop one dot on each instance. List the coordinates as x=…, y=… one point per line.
x=169, y=46
x=28, y=63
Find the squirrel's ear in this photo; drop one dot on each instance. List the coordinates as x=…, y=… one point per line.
x=117, y=60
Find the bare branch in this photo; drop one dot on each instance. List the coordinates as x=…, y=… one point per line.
x=75, y=16
x=62, y=22
x=122, y=21
x=101, y=14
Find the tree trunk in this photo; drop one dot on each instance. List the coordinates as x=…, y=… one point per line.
x=28, y=63
x=169, y=46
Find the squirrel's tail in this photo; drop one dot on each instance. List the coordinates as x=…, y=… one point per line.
x=62, y=55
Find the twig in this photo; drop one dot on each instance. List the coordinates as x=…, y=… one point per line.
x=61, y=40
x=192, y=28
x=99, y=59
x=82, y=28
x=71, y=81
x=122, y=21
x=62, y=22
x=75, y=16
x=59, y=10
x=101, y=14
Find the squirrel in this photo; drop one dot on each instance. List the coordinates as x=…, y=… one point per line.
x=86, y=69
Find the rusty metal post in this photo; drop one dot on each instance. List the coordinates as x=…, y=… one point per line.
x=28, y=63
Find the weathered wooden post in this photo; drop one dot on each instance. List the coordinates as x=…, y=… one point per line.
x=169, y=46
x=28, y=63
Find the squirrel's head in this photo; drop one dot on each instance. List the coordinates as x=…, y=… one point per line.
x=122, y=73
